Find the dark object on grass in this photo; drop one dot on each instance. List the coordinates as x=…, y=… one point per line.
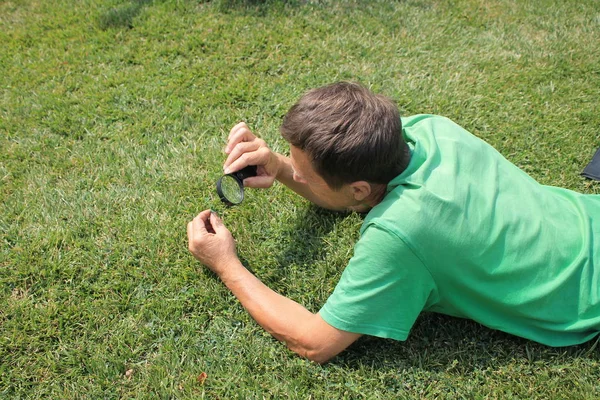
x=592, y=170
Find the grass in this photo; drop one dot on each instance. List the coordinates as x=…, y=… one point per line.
x=113, y=115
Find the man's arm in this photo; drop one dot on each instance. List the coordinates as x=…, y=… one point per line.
x=302, y=331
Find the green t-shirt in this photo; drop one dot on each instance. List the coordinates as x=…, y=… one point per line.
x=464, y=232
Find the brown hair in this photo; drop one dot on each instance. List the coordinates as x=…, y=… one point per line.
x=349, y=133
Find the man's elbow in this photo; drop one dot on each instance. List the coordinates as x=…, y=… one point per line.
x=319, y=342
x=318, y=356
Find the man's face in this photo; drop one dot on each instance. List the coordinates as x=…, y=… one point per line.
x=304, y=173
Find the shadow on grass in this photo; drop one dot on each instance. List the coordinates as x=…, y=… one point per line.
x=123, y=15
x=255, y=7
x=439, y=343
x=299, y=245
x=305, y=244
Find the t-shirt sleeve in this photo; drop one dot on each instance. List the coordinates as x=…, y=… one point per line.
x=382, y=290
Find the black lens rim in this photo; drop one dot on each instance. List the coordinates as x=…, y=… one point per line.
x=223, y=198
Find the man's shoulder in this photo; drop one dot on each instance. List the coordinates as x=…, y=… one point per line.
x=417, y=126
x=381, y=226
x=414, y=120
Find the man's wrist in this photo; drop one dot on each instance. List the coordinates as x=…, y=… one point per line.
x=229, y=270
x=282, y=167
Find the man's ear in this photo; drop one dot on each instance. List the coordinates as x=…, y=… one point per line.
x=361, y=190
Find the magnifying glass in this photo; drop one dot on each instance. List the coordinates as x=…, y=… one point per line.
x=230, y=187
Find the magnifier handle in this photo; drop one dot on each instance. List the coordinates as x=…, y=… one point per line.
x=246, y=172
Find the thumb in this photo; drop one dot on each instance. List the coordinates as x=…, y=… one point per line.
x=216, y=222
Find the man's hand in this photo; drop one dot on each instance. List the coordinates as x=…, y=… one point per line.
x=211, y=242
x=244, y=148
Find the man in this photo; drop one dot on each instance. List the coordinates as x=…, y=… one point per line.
x=453, y=227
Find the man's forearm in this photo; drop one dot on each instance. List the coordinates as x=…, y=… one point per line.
x=283, y=318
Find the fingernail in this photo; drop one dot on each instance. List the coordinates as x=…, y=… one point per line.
x=226, y=170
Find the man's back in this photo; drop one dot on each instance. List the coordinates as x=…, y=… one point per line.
x=497, y=246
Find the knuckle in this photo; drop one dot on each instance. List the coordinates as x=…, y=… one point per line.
x=240, y=146
x=264, y=150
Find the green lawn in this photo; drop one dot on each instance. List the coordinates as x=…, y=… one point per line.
x=113, y=115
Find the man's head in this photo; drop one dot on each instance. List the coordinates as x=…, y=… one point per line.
x=349, y=133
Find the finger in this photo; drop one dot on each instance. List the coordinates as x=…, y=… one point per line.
x=189, y=230
x=238, y=126
x=235, y=131
x=262, y=182
x=258, y=157
x=242, y=134
x=215, y=220
x=217, y=223
x=199, y=223
x=238, y=150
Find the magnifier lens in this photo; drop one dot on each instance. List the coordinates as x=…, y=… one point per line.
x=231, y=189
